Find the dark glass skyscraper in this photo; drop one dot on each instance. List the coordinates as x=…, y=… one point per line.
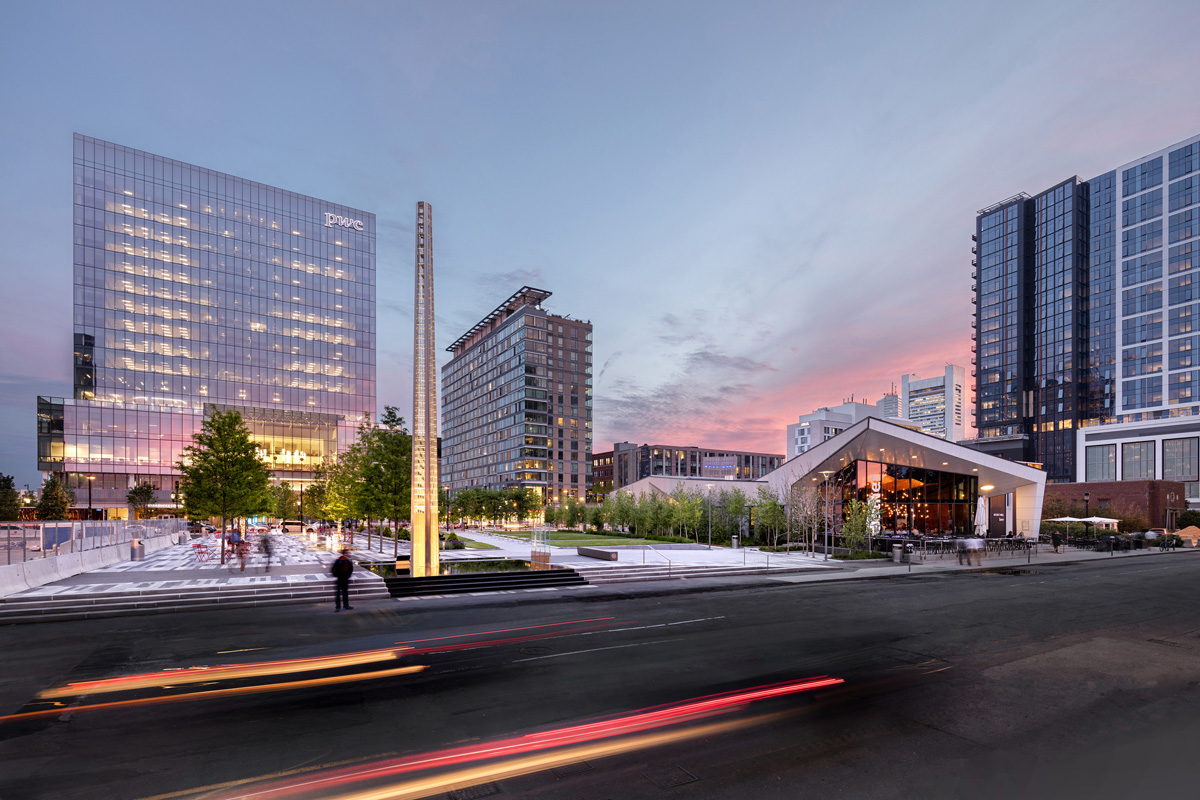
x=1070, y=334
x=193, y=287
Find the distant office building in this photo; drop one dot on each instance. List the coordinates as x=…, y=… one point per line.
x=632, y=462
x=825, y=423
x=517, y=401
x=889, y=405
x=936, y=404
x=1088, y=307
x=196, y=288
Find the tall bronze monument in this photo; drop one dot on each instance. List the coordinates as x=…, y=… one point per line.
x=425, y=543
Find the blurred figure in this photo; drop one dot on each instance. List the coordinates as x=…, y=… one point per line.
x=975, y=547
x=341, y=572
x=1056, y=540
x=267, y=548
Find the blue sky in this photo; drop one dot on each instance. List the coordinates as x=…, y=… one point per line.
x=762, y=207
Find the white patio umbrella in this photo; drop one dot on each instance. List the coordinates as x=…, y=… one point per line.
x=1068, y=519
x=981, y=518
x=1099, y=520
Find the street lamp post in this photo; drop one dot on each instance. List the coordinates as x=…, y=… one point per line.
x=89, y=513
x=1087, y=512
x=826, y=473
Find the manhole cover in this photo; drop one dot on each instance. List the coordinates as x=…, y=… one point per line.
x=572, y=769
x=535, y=650
x=473, y=792
x=672, y=776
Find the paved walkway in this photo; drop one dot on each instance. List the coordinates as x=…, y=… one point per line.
x=296, y=561
x=293, y=562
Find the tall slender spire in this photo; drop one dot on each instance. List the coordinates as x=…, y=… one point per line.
x=425, y=540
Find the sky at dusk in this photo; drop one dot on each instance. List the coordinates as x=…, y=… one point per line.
x=762, y=207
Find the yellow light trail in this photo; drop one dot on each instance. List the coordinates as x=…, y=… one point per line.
x=211, y=694
x=205, y=674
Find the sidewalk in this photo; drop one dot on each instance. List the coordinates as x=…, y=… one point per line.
x=176, y=567
x=296, y=563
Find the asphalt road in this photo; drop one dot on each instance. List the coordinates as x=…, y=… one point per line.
x=1064, y=681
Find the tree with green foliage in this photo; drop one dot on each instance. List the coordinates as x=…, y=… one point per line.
x=770, y=513
x=594, y=517
x=688, y=510
x=285, y=502
x=854, y=526
x=525, y=501
x=56, y=499
x=1186, y=519
x=386, y=489
x=10, y=499
x=140, y=497
x=222, y=475
x=313, y=497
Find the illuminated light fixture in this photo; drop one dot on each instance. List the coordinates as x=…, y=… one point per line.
x=181, y=205
x=975, y=469
x=945, y=463
x=128, y=193
x=987, y=488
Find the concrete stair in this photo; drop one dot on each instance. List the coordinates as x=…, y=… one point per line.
x=662, y=572
x=125, y=602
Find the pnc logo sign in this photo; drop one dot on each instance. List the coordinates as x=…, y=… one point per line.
x=345, y=222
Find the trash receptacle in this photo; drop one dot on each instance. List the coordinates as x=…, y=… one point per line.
x=183, y=538
x=907, y=554
x=897, y=553
x=735, y=542
x=137, y=550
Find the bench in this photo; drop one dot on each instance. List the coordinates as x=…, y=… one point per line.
x=595, y=552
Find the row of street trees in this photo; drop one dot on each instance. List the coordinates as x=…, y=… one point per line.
x=493, y=505
x=765, y=518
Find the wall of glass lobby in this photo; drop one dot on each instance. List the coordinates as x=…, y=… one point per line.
x=911, y=499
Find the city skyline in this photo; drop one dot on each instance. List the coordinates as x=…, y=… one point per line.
x=760, y=209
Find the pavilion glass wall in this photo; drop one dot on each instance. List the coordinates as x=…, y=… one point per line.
x=911, y=499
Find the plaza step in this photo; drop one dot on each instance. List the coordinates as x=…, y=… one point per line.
x=657, y=572
x=125, y=602
x=483, y=582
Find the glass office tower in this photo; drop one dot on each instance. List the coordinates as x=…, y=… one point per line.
x=1088, y=307
x=517, y=402
x=191, y=288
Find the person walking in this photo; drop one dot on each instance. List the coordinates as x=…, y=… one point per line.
x=341, y=572
x=975, y=551
x=267, y=548
x=1056, y=540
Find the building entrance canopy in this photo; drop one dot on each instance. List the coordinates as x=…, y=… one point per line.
x=882, y=442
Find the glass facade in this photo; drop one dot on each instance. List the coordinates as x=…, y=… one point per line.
x=1031, y=345
x=193, y=287
x=1127, y=242
x=517, y=402
x=911, y=500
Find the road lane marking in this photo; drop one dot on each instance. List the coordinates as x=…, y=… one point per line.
x=594, y=650
x=647, y=627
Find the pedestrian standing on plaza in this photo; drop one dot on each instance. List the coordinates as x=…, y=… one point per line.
x=341, y=572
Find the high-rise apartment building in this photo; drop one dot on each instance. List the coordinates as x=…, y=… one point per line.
x=193, y=288
x=1087, y=307
x=517, y=401
x=631, y=462
x=936, y=404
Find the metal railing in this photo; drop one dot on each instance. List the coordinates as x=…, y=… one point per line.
x=29, y=541
x=646, y=547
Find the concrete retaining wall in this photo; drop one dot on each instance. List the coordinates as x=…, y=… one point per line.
x=31, y=574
